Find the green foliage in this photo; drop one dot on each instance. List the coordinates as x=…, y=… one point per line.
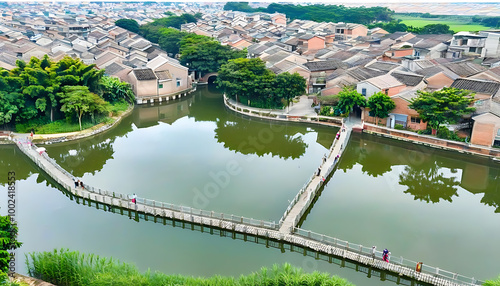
x=41, y=126
x=320, y=12
x=327, y=111
x=399, y=127
x=128, y=24
x=289, y=86
x=495, y=282
x=64, y=267
x=431, y=29
x=205, y=54
x=79, y=100
x=380, y=105
x=348, y=98
x=8, y=241
x=443, y=106
x=170, y=40
x=445, y=133
x=391, y=27
x=116, y=90
x=32, y=92
x=250, y=82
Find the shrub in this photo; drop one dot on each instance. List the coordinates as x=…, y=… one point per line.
x=399, y=127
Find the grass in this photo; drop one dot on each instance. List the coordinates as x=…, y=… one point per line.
x=44, y=126
x=455, y=24
x=58, y=126
x=64, y=267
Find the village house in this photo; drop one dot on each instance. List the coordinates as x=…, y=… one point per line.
x=163, y=78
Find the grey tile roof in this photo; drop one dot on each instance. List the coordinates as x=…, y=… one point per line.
x=383, y=66
x=325, y=65
x=408, y=79
x=163, y=75
x=144, y=74
x=465, y=69
x=113, y=69
x=361, y=73
x=478, y=86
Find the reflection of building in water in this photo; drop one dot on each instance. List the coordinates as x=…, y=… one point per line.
x=147, y=116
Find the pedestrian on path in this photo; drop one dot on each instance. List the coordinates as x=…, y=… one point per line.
x=76, y=183
x=81, y=185
x=134, y=198
x=319, y=171
x=374, y=249
x=385, y=255
x=324, y=158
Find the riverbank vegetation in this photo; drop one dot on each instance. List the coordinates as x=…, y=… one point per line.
x=42, y=94
x=494, y=282
x=249, y=81
x=8, y=243
x=64, y=267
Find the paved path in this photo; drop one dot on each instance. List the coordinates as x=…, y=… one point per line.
x=301, y=108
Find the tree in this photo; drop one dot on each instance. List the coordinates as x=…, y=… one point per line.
x=79, y=100
x=443, y=106
x=348, y=98
x=128, y=24
x=8, y=241
x=380, y=105
x=170, y=40
x=205, y=54
x=289, y=86
x=436, y=29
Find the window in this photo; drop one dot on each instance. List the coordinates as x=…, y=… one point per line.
x=415, y=120
x=363, y=91
x=160, y=85
x=386, y=92
x=178, y=83
x=498, y=132
x=472, y=49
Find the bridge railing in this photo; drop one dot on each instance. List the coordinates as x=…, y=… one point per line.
x=24, y=146
x=368, y=252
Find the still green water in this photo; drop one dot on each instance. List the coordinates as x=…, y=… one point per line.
x=196, y=153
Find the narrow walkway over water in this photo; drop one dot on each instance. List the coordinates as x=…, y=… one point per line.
x=304, y=198
x=284, y=233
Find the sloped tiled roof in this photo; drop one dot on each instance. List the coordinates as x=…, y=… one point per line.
x=478, y=86
x=408, y=79
x=383, y=66
x=144, y=74
x=464, y=69
x=163, y=75
x=325, y=65
x=361, y=73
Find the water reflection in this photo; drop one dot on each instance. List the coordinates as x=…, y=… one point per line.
x=430, y=175
x=89, y=155
x=429, y=183
x=12, y=159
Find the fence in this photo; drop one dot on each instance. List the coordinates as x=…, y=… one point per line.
x=26, y=146
x=368, y=252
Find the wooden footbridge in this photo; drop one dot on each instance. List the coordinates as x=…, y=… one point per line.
x=284, y=232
